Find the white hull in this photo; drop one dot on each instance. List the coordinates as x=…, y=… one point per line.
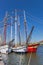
x=5, y=49
x=19, y=49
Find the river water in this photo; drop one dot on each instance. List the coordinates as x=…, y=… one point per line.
x=24, y=59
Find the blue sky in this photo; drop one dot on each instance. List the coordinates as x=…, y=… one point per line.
x=33, y=7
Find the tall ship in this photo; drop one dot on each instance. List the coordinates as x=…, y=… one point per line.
x=27, y=47
x=18, y=46
x=5, y=47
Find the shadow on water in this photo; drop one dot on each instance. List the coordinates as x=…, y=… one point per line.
x=23, y=59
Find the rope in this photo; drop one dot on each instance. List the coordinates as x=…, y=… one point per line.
x=34, y=18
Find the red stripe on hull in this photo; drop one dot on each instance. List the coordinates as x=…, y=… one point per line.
x=32, y=48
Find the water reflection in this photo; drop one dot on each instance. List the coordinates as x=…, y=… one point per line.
x=5, y=58
x=23, y=59
x=15, y=59
x=40, y=55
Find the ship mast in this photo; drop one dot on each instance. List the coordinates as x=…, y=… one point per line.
x=29, y=36
x=11, y=26
x=15, y=27
x=25, y=25
x=19, y=30
x=5, y=26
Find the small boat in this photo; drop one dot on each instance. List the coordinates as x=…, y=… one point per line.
x=5, y=49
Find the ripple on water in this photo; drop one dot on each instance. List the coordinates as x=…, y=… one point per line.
x=15, y=59
x=40, y=54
